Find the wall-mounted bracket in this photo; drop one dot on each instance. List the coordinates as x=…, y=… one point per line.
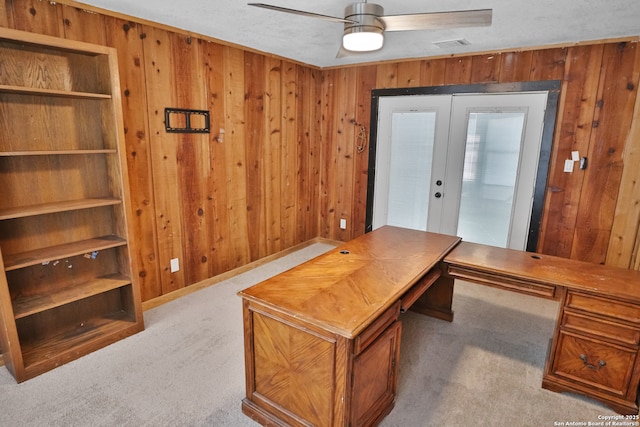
x=180, y=120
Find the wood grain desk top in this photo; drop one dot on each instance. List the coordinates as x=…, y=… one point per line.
x=546, y=269
x=344, y=292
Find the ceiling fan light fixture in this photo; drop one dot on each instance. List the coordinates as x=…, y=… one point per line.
x=365, y=32
x=361, y=39
x=365, y=23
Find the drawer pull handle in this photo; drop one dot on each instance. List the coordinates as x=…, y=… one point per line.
x=601, y=363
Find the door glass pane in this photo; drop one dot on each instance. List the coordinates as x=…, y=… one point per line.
x=490, y=171
x=410, y=168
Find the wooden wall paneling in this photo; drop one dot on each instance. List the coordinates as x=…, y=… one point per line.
x=301, y=180
x=78, y=24
x=273, y=122
x=458, y=70
x=612, y=121
x=332, y=137
x=515, y=66
x=409, y=74
x=432, y=72
x=237, y=231
x=126, y=38
x=548, y=64
x=192, y=157
x=313, y=116
x=38, y=16
x=289, y=154
x=365, y=82
x=159, y=76
x=305, y=217
x=573, y=131
x=255, y=153
x=317, y=144
x=382, y=76
x=216, y=67
x=328, y=181
x=387, y=76
x=625, y=237
x=344, y=148
x=485, y=68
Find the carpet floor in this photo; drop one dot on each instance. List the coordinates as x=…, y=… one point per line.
x=187, y=368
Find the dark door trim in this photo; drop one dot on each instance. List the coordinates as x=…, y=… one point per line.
x=552, y=87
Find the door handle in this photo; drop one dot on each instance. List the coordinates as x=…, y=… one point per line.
x=438, y=195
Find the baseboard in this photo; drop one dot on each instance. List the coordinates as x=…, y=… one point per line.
x=172, y=296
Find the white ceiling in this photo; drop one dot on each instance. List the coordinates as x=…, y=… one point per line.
x=516, y=24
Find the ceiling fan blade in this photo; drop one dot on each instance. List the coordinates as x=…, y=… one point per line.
x=437, y=20
x=303, y=13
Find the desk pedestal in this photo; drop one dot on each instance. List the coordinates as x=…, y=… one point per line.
x=322, y=340
x=595, y=350
x=596, y=344
x=301, y=375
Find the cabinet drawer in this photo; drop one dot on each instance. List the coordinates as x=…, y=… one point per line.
x=377, y=327
x=594, y=363
x=604, y=307
x=603, y=328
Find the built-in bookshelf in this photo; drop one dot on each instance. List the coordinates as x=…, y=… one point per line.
x=66, y=284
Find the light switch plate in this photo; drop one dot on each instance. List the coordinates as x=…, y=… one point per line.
x=568, y=165
x=575, y=156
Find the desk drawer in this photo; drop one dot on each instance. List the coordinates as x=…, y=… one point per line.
x=594, y=363
x=503, y=281
x=417, y=290
x=370, y=334
x=604, y=307
x=583, y=322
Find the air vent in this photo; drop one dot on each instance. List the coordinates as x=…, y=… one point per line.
x=448, y=44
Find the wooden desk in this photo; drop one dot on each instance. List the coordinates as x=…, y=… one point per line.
x=594, y=350
x=322, y=340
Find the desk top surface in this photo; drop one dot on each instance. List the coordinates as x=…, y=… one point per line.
x=344, y=292
x=546, y=269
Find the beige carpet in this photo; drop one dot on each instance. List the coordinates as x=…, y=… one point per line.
x=187, y=367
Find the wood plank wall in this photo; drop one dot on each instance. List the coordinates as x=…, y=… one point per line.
x=591, y=214
x=287, y=156
x=214, y=201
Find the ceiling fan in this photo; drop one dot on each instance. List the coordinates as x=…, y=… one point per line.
x=365, y=23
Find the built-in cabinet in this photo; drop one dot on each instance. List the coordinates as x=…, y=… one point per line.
x=66, y=281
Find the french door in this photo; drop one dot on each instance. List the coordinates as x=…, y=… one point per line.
x=462, y=164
